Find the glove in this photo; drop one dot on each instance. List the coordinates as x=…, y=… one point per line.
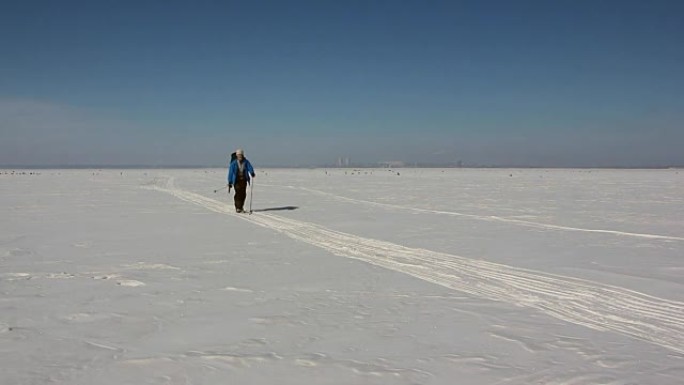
x=229, y=187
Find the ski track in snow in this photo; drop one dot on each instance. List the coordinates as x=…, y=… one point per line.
x=493, y=218
x=591, y=304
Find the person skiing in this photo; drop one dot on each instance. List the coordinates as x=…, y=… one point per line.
x=240, y=172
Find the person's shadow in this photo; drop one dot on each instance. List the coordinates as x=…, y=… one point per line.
x=283, y=208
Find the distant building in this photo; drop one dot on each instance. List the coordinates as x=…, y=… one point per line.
x=393, y=163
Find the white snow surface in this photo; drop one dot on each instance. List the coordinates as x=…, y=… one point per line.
x=342, y=276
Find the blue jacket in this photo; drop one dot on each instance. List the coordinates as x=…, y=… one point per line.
x=233, y=171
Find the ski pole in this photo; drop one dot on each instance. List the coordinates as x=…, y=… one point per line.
x=219, y=189
x=251, y=192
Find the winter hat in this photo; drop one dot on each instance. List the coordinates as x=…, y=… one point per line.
x=239, y=151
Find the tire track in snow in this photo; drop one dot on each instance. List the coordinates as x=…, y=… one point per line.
x=492, y=218
x=591, y=304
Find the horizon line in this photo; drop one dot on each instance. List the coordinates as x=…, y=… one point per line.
x=364, y=166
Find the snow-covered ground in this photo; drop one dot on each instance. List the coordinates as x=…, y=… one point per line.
x=342, y=276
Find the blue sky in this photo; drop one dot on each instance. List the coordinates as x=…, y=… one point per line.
x=296, y=83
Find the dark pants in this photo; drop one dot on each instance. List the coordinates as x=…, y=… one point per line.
x=240, y=193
